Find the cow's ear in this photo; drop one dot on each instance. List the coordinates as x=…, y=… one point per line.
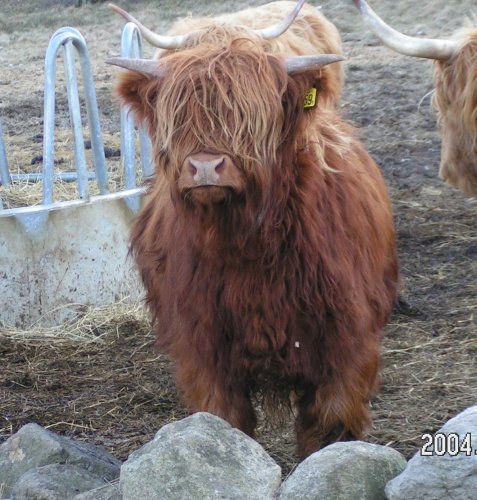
x=293, y=100
x=139, y=92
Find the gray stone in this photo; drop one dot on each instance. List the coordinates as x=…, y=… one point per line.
x=4, y=39
x=54, y=482
x=201, y=456
x=107, y=492
x=442, y=477
x=33, y=446
x=352, y=470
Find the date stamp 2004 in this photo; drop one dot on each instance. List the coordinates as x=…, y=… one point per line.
x=451, y=444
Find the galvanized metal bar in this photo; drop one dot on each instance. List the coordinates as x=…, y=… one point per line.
x=131, y=46
x=75, y=119
x=49, y=117
x=146, y=153
x=4, y=172
x=92, y=114
x=60, y=38
x=58, y=176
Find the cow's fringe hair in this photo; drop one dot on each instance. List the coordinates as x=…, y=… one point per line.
x=233, y=118
x=455, y=100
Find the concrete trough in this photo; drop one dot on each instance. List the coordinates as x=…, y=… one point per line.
x=56, y=259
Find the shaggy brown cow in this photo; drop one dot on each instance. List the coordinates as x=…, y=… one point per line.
x=455, y=96
x=266, y=245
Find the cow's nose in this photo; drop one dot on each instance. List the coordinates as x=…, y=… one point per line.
x=206, y=170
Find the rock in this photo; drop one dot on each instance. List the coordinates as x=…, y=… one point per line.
x=33, y=446
x=446, y=476
x=201, y=456
x=4, y=39
x=107, y=492
x=54, y=482
x=352, y=470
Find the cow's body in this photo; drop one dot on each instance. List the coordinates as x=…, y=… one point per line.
x=280, y=274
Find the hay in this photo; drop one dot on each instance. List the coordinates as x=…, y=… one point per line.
x=90, y=324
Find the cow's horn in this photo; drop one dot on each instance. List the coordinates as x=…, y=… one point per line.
x=281, y=27
x=151, y=67
x=160, y=41
x=429, y=48
x=179, y=41
x=296, y=64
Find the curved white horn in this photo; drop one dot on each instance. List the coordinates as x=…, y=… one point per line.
x=179, y=41
x=151, y=67
x=429, y=48
x=160, y=41
x=297, y=64
x=281, y=27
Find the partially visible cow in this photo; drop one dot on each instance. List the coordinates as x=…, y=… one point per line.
x=455, y=96
x=266, y=245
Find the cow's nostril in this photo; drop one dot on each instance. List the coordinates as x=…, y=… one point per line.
x=192, y=168
x=220, y=167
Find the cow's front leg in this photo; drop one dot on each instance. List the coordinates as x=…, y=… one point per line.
x=203, y=389
x=321, y=423
x=336, y=410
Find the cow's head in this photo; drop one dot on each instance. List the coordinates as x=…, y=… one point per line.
x=220, y=109
x=455, y=96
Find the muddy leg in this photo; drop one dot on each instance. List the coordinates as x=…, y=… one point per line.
x=337, y=410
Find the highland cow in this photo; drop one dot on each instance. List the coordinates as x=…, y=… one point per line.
x=266, y=244
x=455, y=96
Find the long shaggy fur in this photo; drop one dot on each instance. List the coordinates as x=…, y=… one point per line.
x=287, y=282
x=455, y=99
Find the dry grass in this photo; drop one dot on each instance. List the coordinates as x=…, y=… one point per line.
x=93, y=379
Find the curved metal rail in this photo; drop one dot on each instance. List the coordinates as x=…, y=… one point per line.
x=131, y=46
x=68, y=38
x=4, y=172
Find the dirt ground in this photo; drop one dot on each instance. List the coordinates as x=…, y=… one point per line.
x=110, y=387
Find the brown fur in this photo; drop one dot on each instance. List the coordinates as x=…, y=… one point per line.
x=455, y=99
x=286, y=282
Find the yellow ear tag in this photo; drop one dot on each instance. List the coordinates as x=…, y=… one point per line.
x=310, y=98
